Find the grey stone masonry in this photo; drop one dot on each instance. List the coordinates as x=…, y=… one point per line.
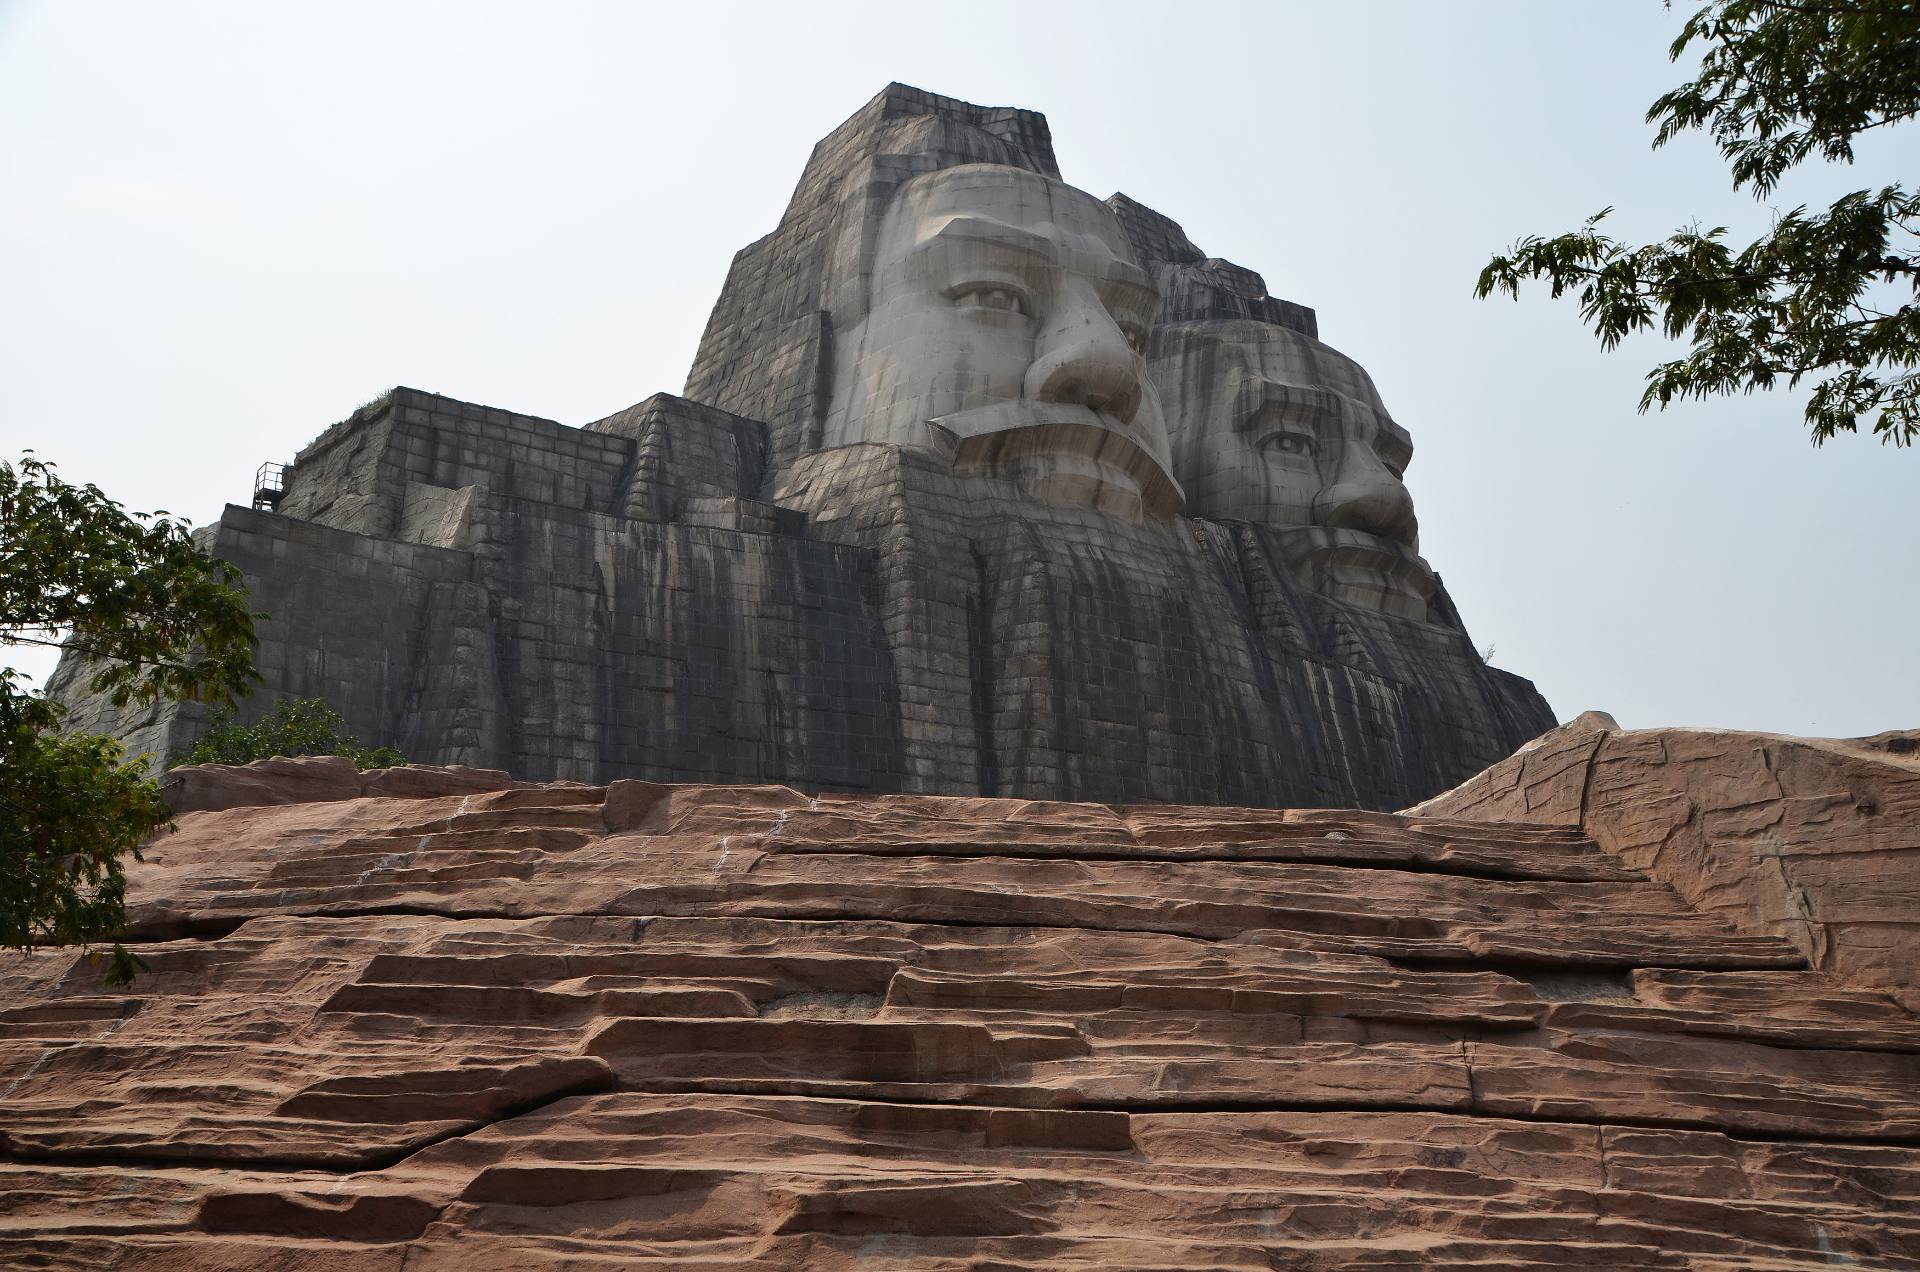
x=357, y=474
x=1196, y=287
x=465, y=584
x=980, y=484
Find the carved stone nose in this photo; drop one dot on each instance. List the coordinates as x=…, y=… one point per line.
x=1085, y=360
x=1369, y=498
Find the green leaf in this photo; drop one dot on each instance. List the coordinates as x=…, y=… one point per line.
x=1779, y=83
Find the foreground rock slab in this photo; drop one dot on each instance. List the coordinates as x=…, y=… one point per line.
x=449, y=1021
x=1814, y=839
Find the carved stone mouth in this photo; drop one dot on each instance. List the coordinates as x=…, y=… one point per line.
x=1361, y=569
x=1061, y=453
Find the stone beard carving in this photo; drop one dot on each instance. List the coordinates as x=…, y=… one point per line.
x=1005, y=325
x=1270, y=425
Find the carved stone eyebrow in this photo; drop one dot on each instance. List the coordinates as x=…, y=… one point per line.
x=955, y=231
x=1318, y=409
x=1120, y=282
x=1134, y=296
x=1119, y=274
x=1395, y=442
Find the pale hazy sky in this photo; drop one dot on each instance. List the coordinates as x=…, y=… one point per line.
x=224, y=226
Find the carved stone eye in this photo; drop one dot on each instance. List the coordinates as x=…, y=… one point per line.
x=1296, y=444
x=1001, y=298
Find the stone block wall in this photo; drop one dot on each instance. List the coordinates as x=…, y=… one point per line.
x=1195, y=287
x=352, y=619
x=515, y=615
x=691, y=653
x=684, y=453
x=355, y=475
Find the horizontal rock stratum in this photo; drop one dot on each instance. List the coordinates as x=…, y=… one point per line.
x=435, y=1019
x=1813, y=839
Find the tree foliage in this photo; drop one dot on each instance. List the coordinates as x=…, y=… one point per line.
x=303, y=726
x=159, y=619
x=70, y=809
x=1827, y=296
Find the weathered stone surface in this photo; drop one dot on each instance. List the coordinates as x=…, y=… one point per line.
x=567, y=1026
x=1815, y=840
x=915, y=526
x=568, y=631
x=308, y=779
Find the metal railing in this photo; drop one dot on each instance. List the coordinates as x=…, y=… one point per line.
x=269, y=486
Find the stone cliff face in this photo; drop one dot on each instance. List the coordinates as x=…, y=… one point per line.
x=435, y=1018
x=901, y=535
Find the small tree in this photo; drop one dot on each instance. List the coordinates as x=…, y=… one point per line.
x=158, y=618
x=302, y=726
x=70, y=809
x=1827, y=295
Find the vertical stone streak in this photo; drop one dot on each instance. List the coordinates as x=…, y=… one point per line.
x=981, y=659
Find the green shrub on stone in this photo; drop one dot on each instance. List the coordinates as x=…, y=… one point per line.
x=297, y=726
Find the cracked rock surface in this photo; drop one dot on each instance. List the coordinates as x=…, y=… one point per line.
x=1816, y=840
x=444, y=1020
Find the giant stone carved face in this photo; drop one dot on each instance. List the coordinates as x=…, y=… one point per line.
x=1272, y=426
x=1006, y=325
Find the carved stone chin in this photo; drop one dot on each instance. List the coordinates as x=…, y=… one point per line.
x=1005, y=310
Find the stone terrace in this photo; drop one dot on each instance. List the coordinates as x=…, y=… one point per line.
x=435, y=1019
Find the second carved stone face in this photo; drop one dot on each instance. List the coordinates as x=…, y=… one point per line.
x=1006, y=312
x=1272, y=426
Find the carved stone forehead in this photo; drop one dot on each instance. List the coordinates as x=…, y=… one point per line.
x=1262, y=351
x=1006, y=211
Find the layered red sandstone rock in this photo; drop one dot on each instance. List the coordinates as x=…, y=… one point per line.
x=1814, y=839
x=479, y=1025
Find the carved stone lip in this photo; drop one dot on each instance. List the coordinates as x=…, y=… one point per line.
x=1070, y=453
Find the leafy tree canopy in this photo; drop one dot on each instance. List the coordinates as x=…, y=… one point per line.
x=160, y=619
x=1827, y=296
x=304, y=726
x=70, y=809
